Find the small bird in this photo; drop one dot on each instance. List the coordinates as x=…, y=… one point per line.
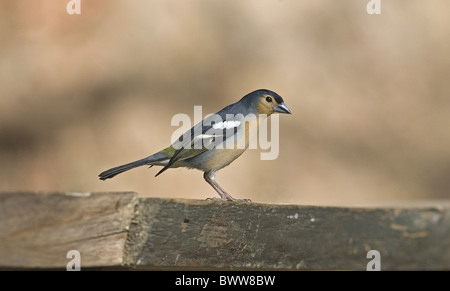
x=215, y=142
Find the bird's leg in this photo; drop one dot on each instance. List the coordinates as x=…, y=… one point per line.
x=210, y=178
x=224, y=196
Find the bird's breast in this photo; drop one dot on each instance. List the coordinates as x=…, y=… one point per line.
x=215, y=159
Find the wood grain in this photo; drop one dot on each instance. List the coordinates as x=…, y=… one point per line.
x=201, y=234
x=122, y=231
x=38, y=229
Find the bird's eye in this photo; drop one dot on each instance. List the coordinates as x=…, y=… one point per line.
x=269, y=99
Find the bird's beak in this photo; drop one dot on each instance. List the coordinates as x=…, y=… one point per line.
x=282, y=108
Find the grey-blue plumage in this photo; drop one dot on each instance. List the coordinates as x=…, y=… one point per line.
x=215, y=142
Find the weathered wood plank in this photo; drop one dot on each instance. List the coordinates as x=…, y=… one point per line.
x=38, y=229
x=204, y=234
x=119, y=230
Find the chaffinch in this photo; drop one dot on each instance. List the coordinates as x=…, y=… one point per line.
x=216, y=141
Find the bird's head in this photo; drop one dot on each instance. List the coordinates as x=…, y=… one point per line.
x=266, y=102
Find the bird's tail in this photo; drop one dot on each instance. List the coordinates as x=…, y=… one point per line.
x=154, y=159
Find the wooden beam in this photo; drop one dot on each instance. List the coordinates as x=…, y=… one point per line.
x=209, y=235
x=38, y=229
x=120, y=230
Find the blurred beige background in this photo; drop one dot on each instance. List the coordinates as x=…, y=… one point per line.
x=369, y=95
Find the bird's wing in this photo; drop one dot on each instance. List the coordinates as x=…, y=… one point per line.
x=208, y=134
